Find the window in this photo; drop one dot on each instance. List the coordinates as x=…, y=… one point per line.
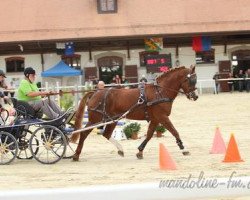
x=73, y=61
x=204, y=57
x=107, y=6
x=14, y=64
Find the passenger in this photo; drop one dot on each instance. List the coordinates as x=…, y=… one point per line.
x=5, y=119
x=29, y=92
x=2, y=84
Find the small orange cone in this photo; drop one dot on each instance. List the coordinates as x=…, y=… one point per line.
x=232, y=153
x=165, y=160
x=219, y=146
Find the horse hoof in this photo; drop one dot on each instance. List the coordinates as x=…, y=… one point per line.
x=121, y=153
x=75, y=158
x=139, y=156
x=185, y=153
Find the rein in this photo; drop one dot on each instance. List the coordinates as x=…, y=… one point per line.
x=73, y=92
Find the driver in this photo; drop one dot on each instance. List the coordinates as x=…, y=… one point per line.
x=29, y=92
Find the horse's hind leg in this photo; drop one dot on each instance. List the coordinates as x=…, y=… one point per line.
x=150, y=132
x=169, y=126
x=107, y=134
x=83, y=136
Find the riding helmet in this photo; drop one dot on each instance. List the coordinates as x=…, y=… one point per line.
x=28, y=71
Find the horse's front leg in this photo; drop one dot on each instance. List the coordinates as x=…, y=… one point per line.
x=150, y=132
x=107, y=134
x=169, y=126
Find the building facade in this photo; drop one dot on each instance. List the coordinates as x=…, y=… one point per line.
x=108, y=35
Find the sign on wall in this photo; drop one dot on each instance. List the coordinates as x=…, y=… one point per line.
x=156, y=63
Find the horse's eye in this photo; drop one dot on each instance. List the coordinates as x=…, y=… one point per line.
x=188, y=75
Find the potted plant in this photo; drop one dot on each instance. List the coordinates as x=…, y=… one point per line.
x=160, y=129
x=131, y=130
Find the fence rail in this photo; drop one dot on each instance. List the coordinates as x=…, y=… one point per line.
x=202, y=84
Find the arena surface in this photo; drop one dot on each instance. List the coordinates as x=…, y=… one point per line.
x=100, y=165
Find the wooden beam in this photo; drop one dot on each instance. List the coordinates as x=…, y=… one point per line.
x=128, y=50
x=177, y=51
x=90, y=52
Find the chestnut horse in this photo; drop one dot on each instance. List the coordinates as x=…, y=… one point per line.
x=151, y=102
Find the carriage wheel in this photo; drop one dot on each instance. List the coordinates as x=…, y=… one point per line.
x=51, y=144
x=23, y=145
x=70, y=149
x=8, y=148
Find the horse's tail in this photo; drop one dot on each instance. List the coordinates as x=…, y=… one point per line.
x=79, y=115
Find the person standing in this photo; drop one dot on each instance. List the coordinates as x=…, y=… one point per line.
x=241, y=82
x=29, y=92
x=117, y=79
x=230, y=82
x=216, y=77
x=248, y=80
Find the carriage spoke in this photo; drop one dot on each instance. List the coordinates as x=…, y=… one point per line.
x=9, y=144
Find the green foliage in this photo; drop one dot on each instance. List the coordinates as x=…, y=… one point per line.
x=131, y=128
x=67, y=101
x=160, y=128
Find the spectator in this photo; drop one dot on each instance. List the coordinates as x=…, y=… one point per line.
x=143, y=79
x=248, y=80
x=100, y=85
x=124, y=80
x=230, y=82
x=216, y=77
x=241, y=82
x=29, y=92
x=117, y=79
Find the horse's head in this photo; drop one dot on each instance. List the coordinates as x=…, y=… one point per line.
x=189, y=83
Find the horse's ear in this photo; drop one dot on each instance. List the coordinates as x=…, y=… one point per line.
x=192, y=69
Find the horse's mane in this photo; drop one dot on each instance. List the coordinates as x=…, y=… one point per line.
x=164, y=74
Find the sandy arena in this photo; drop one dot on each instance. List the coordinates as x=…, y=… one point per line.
x=100, y=164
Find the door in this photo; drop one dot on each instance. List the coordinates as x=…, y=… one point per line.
x=90, y=73
x=131, y=73
x=224, y=70
x=109, y=66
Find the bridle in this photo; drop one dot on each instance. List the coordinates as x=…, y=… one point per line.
x=192, y=80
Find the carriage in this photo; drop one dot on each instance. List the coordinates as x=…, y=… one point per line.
x=151, y=102
x=29, y=136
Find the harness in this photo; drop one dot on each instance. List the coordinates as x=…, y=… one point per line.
x=142, y=102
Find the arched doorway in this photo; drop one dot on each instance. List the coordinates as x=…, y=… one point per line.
x=240, y=60
x=109, y=66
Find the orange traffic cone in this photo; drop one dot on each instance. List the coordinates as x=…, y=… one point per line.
x=232, y=153
x=219, y=146
x=165, y=160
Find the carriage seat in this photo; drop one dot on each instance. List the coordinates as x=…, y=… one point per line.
x=26, y=110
